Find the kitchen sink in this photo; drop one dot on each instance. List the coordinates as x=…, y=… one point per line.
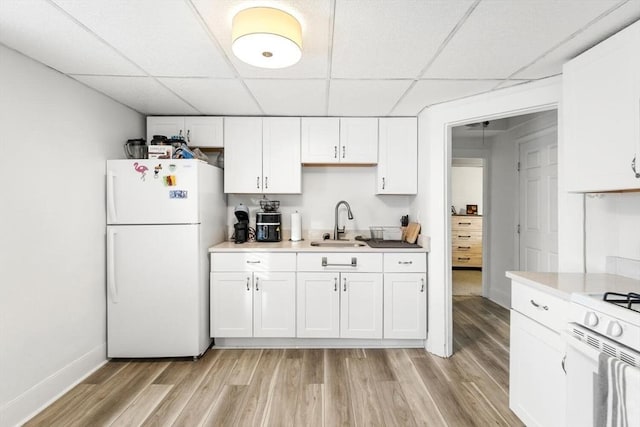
x=338, y=244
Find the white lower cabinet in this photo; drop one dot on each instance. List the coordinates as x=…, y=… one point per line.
x=405, y=305
x=274, y=305
x=231, y=304
x=537, y=381
x=339, y=305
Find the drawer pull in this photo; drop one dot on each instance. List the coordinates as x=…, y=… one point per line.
x=405, y=262
x=464, y=223
x=463, y=237
x=354, y=263
x=253, y=262
x=464, y=258
x=464, y=247
x=536, y=305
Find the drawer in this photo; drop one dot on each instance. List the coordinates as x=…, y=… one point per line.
x=461, y=259
x=253, y=261
x=466, y=223
x=466, y=237
x=405, y=263
x=339, y=261
x=467, y=248
x=545, y=309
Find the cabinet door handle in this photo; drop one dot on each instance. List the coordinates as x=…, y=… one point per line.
x=422, y=288
x=189, y=135
x=564, y=368
x=335, y=151
x=405, y=262
x=257, y=283
x=345, y=284
x=344, y=151
x=335, y=284
x=248, y=285
x=536, y=305
x=633, y=167
x=266, y=182
x=258, y=182
x=180, y=133
x=384, y=184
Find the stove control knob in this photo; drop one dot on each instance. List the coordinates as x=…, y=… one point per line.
x=615, y=330
x=591, y=319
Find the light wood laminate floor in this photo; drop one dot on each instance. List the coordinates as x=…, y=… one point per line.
x=294, y=387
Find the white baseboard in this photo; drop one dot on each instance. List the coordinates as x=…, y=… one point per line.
x=28, y=404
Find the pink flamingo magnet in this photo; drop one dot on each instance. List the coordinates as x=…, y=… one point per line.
x=142, y=169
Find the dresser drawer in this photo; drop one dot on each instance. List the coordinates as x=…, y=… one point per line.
x=467, y=249
x=461, y=259
x=253, y=261
x=459, y=223
x=339, y=261
x=466, y=237
x=545, y=309
x=405, y=263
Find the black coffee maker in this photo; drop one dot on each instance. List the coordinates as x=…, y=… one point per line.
x=241, y=228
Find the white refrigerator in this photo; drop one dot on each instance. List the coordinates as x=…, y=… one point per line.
x=162, y=216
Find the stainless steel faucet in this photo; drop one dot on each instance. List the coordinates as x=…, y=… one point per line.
x=337, y=231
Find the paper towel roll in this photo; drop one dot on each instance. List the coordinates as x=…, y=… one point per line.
x=296, y=227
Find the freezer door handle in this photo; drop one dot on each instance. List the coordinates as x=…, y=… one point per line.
x=111, y=203
x=111, y=265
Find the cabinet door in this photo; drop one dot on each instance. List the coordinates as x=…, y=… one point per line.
x=168, y=126
x=320, y=139
x=397, y=156
x=318, y=305
x=231, y=304
x=281, y=166
x=204, y=132
x=274, y=305
x=358, y=140
x=536, y=379
x=405, y=305
x=361, y=305
x=601, y=114
x=243, y=155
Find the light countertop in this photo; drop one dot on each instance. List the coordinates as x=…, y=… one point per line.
x=563, y=285
x=305, y=246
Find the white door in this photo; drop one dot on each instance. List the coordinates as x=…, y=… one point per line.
x=320, y=139
x=318, y=296
x=151, y=191
x=231, y=304
x=361, y=305
x=204, y=131
x=243, y=155
x=274, y=305
x=539, y=201
x=405, y=305
x=152, y=291
x=358, y=140
x=281, y=167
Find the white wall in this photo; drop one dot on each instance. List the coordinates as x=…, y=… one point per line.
x=56, y=135
x=612, y=225
x=466, y=187
x=322, y=188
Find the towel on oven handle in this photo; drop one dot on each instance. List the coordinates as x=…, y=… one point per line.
x=617, y=393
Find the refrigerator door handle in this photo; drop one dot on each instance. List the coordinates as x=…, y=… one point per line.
x=111, y=265
x=111, y=203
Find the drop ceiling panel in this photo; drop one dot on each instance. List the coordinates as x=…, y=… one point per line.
x=605, y=27
x=429, y=92
x=365, y=97
x=214, y=96
x=43, y=32
x=315, y=20
x=290, y=97
x=143, y=94
x=389, y=39
x=500, y=37
x=165, y=38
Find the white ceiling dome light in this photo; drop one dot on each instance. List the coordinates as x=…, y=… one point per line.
x=266, y=37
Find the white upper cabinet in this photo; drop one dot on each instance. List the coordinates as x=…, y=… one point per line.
x=262, y=155
x=205, y=132
x=327, y=140
x=601, y=114
x=397, y=156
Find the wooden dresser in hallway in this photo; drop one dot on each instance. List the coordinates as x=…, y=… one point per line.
x=466, y=241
